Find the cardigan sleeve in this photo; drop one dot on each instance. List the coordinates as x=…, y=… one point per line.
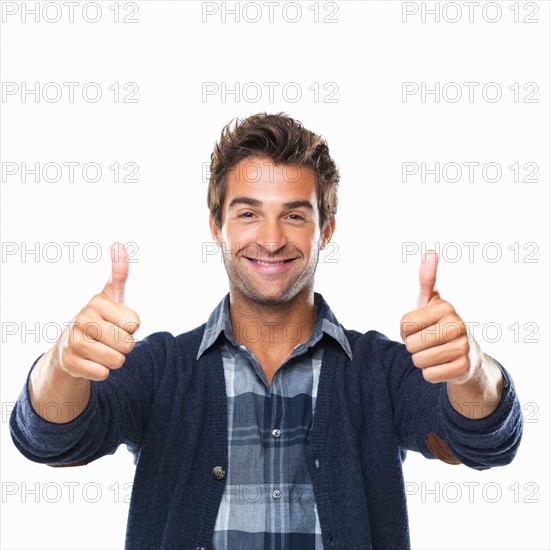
x=117, y=412
x=426, y=421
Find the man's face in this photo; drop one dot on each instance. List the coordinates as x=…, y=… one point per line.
x=270, y=233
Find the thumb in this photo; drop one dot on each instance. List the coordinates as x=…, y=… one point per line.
x=427, y=278
x=119, y=273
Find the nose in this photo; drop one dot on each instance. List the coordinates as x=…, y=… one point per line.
x=271, y=235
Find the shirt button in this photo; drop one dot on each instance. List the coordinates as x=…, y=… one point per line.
x=218, y=472
x=276, y=493
x=200, y=548
x=276, y=433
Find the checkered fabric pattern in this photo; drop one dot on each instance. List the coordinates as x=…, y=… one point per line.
x=268, y=502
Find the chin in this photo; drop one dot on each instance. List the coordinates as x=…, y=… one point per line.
x=271, y=297
x=262, y=293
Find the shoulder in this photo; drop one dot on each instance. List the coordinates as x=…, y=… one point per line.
x=163, y=347
x=372, y=340
x=375, y=350
x=165, y=339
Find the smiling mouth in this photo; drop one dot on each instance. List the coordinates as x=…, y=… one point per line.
x=271, y=263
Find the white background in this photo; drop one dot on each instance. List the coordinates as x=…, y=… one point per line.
x=367, y=52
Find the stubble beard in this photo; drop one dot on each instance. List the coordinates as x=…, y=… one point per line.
x=243, y=281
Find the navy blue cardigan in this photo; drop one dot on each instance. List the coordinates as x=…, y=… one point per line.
x=170, y=410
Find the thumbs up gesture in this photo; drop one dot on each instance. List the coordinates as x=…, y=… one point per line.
x=114, y=289
x=100, y=336
x=434, y=333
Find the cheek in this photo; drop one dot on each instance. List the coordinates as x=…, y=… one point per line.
x=240, y=232
x=238, y=238
x=307, y=244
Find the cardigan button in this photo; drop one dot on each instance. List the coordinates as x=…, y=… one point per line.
x=200, y=548
x=218, y=472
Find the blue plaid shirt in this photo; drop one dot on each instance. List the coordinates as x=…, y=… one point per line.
x=268, y=502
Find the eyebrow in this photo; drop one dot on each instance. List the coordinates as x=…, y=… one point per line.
x=256, y=203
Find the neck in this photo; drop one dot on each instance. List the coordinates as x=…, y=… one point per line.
x=272, y=328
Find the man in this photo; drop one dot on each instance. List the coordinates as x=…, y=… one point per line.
x=270, y=426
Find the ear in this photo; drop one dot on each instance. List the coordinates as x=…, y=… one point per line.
x=327, y=232
x=214, y=230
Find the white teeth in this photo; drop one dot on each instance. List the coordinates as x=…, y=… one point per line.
x=259, y=262
x=267, y=263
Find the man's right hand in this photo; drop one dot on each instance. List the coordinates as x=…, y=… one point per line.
x=100, y=336
x=96, y=341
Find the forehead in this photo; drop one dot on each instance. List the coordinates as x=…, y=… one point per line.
x=260, y=177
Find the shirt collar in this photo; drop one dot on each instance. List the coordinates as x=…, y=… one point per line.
x=325, y=322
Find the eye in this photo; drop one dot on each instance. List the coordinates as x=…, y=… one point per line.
x=246, y=215
x=296, y=217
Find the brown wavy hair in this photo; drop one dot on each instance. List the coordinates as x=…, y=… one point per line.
x=283, y=140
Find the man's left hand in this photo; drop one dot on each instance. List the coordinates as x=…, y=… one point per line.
x=434, y=332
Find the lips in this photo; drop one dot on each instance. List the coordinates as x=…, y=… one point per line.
x=270, y=262
x=270, y=266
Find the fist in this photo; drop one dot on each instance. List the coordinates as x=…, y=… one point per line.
x=100, y=335
x=434, y=333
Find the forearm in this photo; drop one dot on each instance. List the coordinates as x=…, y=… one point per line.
x=480, y=395
x=53, y=389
